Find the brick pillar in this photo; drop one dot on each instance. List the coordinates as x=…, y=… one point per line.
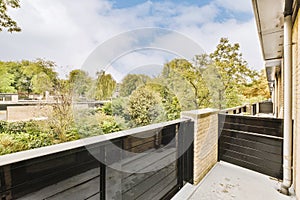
x=205, y=140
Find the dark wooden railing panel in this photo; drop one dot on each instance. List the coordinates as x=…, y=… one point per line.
x=152, y=164
x=252, y=142
x=186, y=151
x=258, y=139
x=254, y=109
x=264, y=130
x=267, y=126
x=146, y=164
x=266, y=156
x=251, y=166
x=32, y=175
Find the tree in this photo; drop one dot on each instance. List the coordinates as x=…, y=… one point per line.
x=41, y=83
x=6, y=22
x=29, y=76
x=177, y=85
x=233, y=71
x=26, y=76
x=6, y=81
x=169, y=100
x=191, y=75
x=61, y=119
x=212, y=79
x=145, y=107
x=103, y=86
x=258, y=88
x=80, y=82
x=131, y=82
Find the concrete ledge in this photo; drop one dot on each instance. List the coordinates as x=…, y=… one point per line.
x=199, y=113
x=186, y=192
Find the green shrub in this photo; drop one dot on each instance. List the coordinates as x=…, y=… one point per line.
x=108, y=124
x=20, y=136
x=107, y=108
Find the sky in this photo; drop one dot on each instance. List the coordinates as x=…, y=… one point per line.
x=128, y=36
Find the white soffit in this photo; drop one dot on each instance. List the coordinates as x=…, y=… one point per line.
x=269, y=21
x=272, y=68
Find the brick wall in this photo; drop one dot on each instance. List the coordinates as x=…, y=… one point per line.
x=205, y=140
x=296, y=107
x=280, y=94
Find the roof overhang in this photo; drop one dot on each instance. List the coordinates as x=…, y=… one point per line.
x=273, y=68
x=269, y=15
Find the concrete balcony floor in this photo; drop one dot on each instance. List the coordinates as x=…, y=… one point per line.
x=230, y=182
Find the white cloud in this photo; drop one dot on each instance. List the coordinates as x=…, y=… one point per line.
x=136, y=61
x=191, y=15
x=68, y=31
x=236, y=5
x=243, y=33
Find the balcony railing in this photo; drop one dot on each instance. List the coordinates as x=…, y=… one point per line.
x=151, y=162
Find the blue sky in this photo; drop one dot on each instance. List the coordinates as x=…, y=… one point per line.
x=130, y=3
x=225, y=14
x=67, y=32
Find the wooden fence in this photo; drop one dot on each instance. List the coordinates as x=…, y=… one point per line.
x=252, y=142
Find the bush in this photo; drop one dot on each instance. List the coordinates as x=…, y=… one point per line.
x=108, y=124
x=119, y=108
x=107, y=108
x=92, y=123
x=145, y=107
x=19, y=136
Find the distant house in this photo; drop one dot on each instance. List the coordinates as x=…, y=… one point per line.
x=6, y=97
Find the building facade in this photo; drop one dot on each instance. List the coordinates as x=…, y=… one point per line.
x=278, y=30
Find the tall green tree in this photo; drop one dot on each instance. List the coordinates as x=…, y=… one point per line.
x=29, y=76
x=168, y=99
x=212, y=79
x=233, y=71
x=80, y=82
x=131, y=82
x=177, y=85
x=41, y=83
x=6, y=80
x=191, y=78
x=6, y=22
x=26, y=77
x=103, y=87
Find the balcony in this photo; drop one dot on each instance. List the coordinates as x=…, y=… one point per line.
x=206, y=153
x=227, y=182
